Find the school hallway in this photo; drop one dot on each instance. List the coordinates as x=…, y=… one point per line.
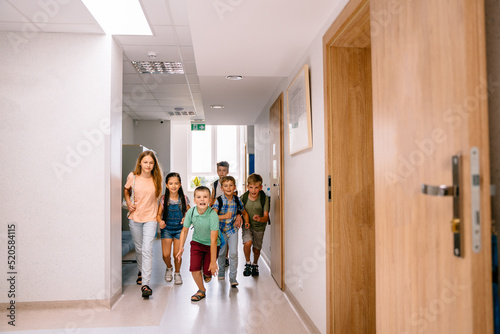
x=256, y=306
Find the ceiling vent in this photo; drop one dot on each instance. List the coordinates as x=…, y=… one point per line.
x=158, y=67
x=181, y=113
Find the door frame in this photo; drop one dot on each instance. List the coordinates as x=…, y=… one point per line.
x=279, y=100
x=350, y=238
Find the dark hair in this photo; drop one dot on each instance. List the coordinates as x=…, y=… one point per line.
x=223, y=164
x=201, y=188
x=166, y=201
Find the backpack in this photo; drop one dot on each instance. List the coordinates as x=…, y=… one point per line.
x=262, y=197
x=220, y=237
x=239, y=209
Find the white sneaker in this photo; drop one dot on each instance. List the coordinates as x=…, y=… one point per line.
x=168, y=274
x=177, y=278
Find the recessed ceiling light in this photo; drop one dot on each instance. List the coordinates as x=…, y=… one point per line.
x=178, y=109
x=234, y=77
x=217, y=106
x=158, y=67
x=119, y=17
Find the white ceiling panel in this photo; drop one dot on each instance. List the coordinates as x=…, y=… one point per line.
x=141, y=103
x=156, y=12
x=163, y=35
x=140, y=53
x=8, y=13
x=172, y=89
x=184, y=35
x=73, y=11
x=148, y=109
x=132, y=79
x=187, y=53
x=73, y=28
x=179, y=12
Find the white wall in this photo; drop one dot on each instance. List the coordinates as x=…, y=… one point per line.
x=180, y=130
x=155, y=136
x=56, y=97
x=304, y=190
x=127, y=130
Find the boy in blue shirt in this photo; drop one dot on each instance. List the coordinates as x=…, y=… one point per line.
x=228, y=206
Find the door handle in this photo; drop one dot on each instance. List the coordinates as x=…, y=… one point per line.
x=453, y=190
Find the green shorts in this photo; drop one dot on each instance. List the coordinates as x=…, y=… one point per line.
x=255, y=237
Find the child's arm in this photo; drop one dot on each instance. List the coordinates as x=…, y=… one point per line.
x=222, y=217
x=246, y=218
x=262, y=219
x=182, y=241
x=159, y=216
x=213, y=251
x=126, y=193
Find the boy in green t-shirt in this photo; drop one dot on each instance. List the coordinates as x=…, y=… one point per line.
x=205, y=242
x=253, y=231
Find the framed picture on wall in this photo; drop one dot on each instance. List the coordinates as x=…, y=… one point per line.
x=298, y=99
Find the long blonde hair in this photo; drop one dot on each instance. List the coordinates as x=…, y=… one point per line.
x=156, y=172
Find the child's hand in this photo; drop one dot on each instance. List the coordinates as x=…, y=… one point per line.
x=247, y=225
x=131, y=208
x=162, y=224
x=179, y=254
x=238, y=220
x=213, y=268
x=256, y=218
x=182, y=221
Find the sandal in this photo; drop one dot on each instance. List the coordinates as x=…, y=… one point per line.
x=139, y=279
x=199, y=295
x=146, y=291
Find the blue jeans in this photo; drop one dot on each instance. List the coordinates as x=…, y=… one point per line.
x=232, y=243
x=144, y=235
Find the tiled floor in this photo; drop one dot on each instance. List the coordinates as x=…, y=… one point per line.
x=256, y=306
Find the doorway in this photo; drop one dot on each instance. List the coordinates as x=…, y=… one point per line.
x=350, y=228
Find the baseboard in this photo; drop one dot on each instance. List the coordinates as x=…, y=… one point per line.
x=78, y=304
x=304, y=318
x=297, y=308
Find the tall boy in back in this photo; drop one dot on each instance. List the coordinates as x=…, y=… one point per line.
x=257, y=205
x=205, y=241
x=227, y=208
x=222, y=170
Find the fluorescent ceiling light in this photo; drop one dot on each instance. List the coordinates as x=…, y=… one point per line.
x=217, y=106
x=158, y=67
x=119, y=17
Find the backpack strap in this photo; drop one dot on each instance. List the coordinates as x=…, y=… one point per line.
x=244, y=198
x=219, y=201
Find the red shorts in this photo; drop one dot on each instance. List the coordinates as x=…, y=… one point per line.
x=200, y=258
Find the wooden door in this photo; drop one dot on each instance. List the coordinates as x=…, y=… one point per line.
x=350, y=227
x=276, y=178
x=429, y=104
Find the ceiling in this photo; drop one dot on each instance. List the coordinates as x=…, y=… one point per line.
x=261, y=40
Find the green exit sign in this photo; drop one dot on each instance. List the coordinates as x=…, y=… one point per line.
x=198, y=127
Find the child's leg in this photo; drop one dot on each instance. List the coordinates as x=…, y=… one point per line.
x=256, y=255
x=177, y=246
x=232, y=243
x=196, y=258
x=136, y=231
x=246, y=236
x=257, y=237
x=166, y=249
x=198, y=279
x=221, y=260
x=148, y=236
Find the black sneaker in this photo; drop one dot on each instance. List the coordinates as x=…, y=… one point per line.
x=227, y=262
x=248, y=269
x=255, y=270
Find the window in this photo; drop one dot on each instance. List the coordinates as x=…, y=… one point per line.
x=216, y=143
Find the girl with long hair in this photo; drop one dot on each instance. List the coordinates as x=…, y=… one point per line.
x=142, y=191
x=171, y=212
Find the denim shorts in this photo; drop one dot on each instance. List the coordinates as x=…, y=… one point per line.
x=166, y=234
